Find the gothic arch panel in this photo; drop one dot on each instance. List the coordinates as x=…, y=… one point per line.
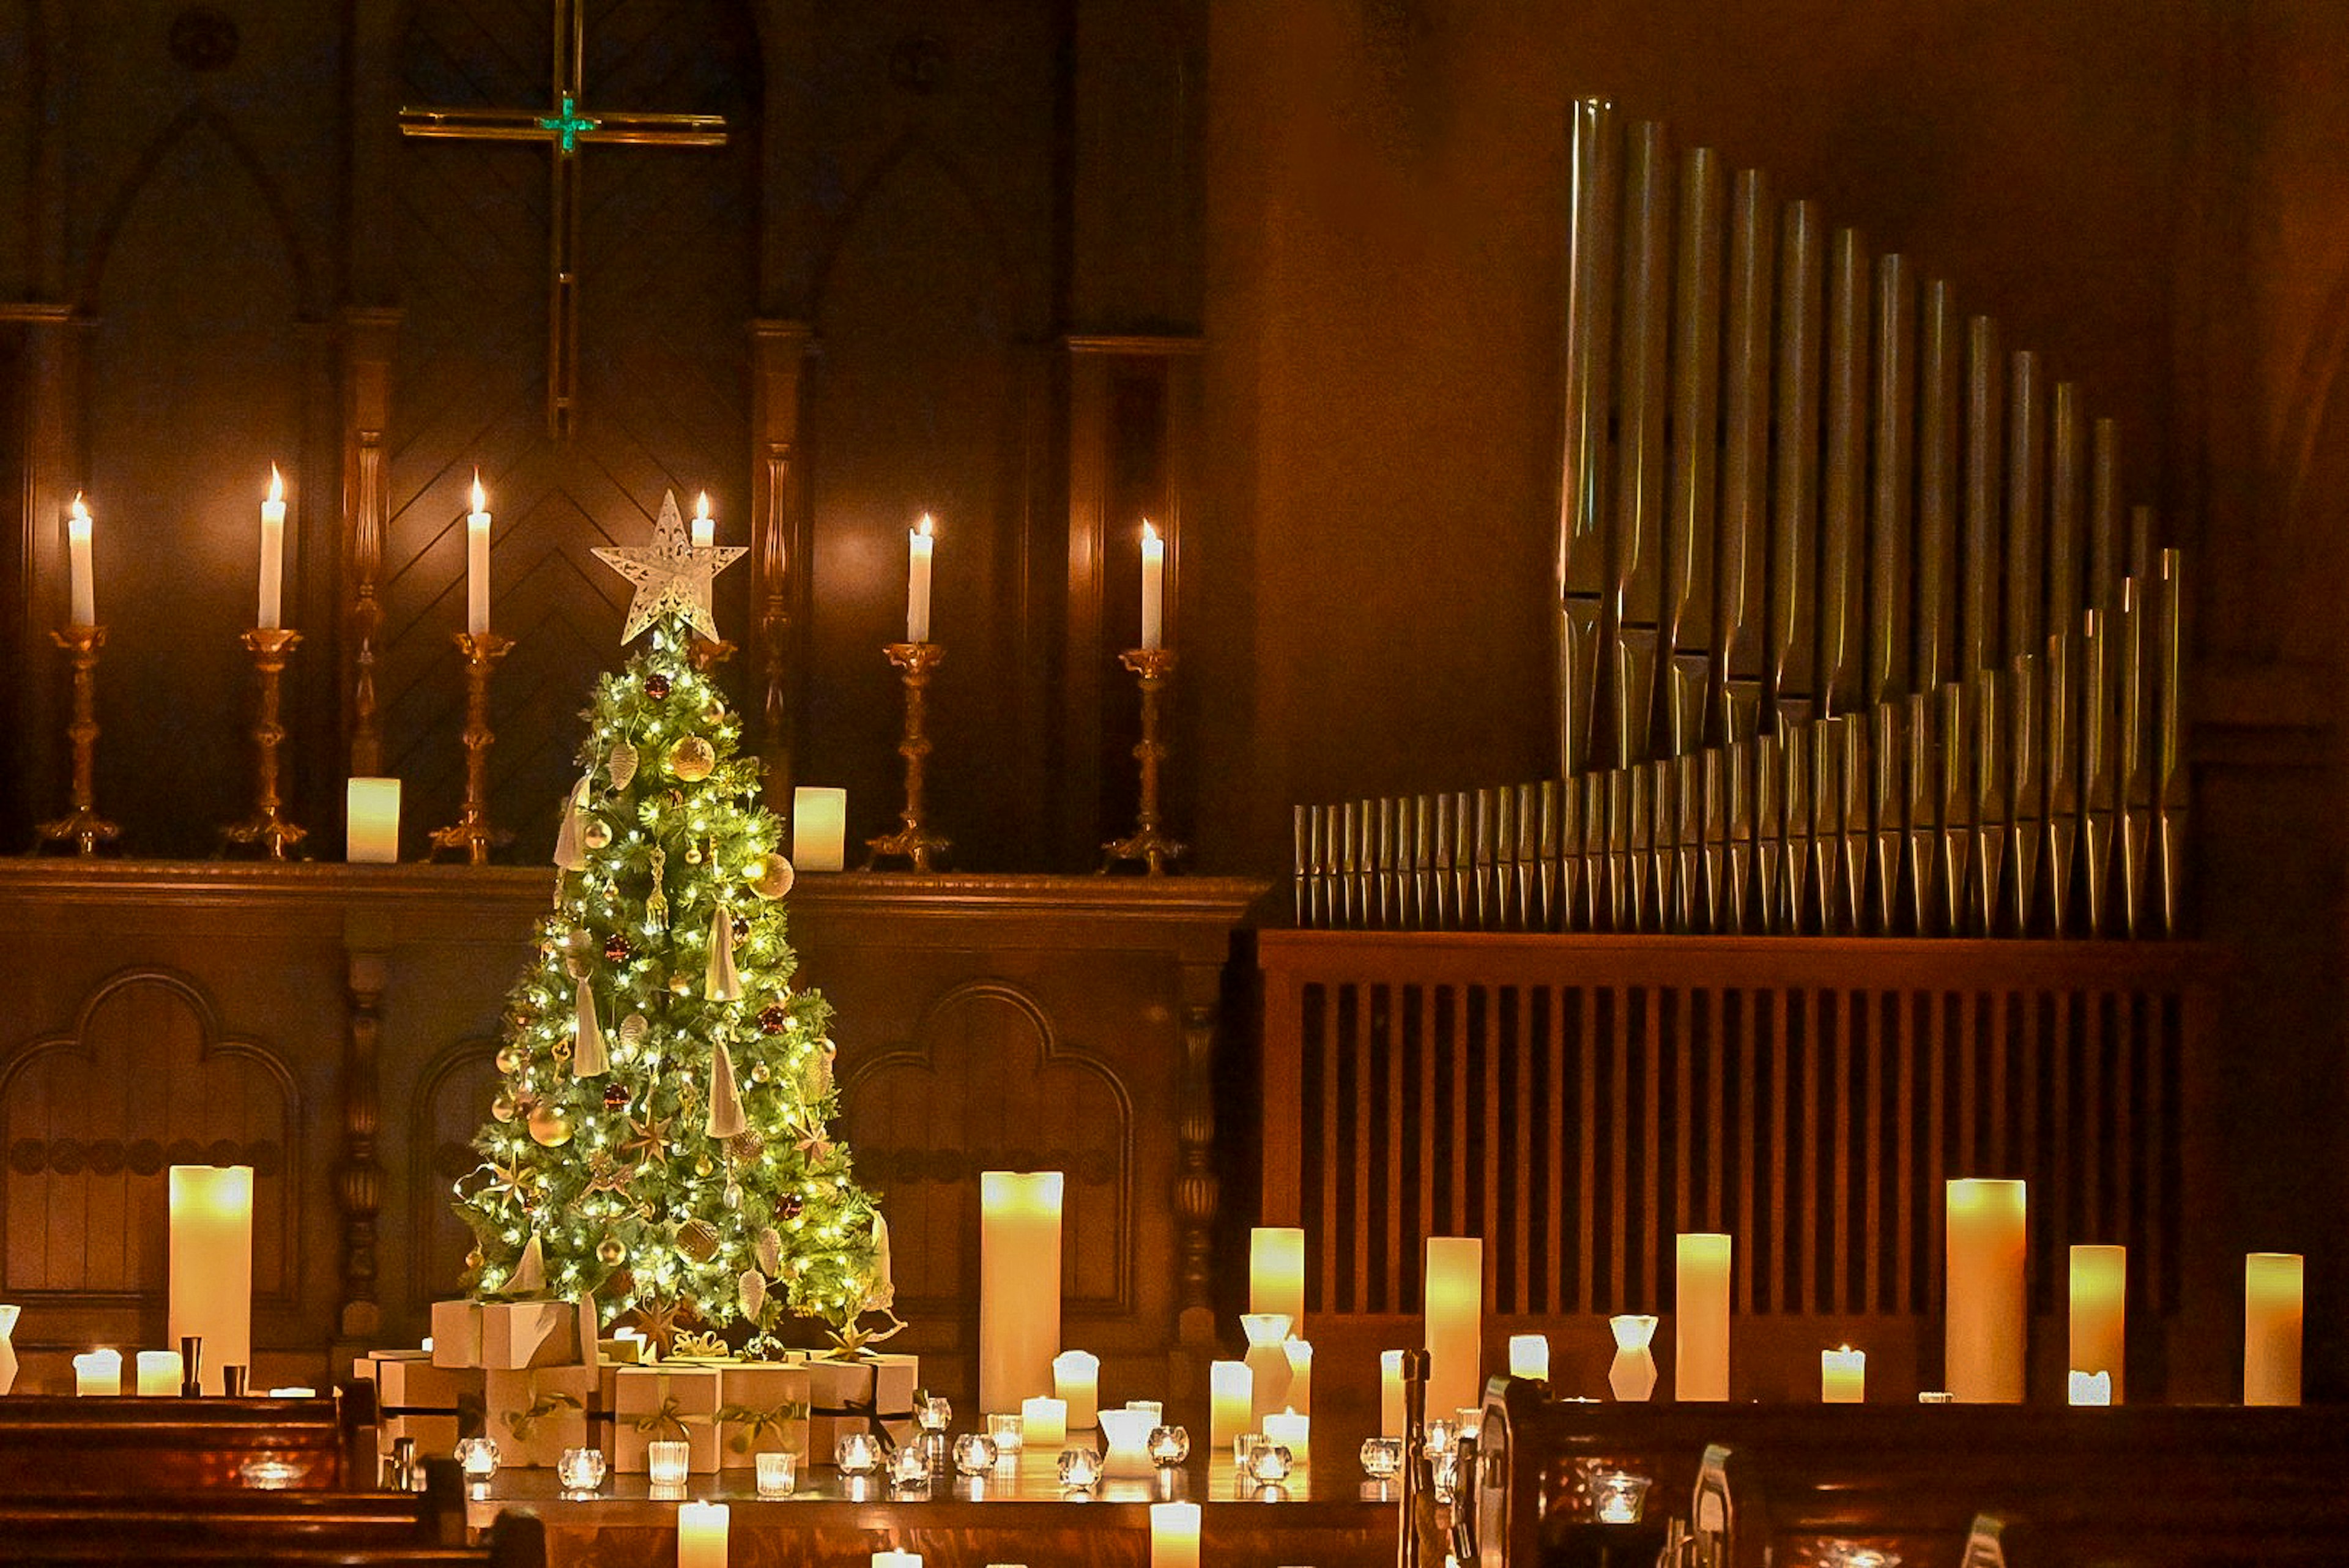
x=451, y=1097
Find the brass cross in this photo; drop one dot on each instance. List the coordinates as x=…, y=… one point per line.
x=564, y=127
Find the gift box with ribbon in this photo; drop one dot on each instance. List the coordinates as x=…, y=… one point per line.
x=415, y=1398
x=536, y=1412
x=762, y=1407
x=664, y=1404
x=507, y=1337
x=869, y=1394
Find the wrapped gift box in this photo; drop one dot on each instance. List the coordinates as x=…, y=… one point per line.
x=762, y=1407
x=664, y=1403
x=509, y=1336
x=415, y=1398
x=536, y=1412
x=457, y=1333
x=873, y=1392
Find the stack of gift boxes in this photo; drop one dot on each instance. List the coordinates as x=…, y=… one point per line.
x=533, y=1376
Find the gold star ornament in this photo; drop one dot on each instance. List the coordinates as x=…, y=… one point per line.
x=672, y=573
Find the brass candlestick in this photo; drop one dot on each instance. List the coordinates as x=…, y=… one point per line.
x=1152, y=667
x=472, y=831
x=267, y=826
x=915, y=843
x=83, y=826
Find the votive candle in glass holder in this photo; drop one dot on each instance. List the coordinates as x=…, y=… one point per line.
x=581, y=1469
x=1244, y=1447
x=1269, y=1465
x=779, y=1473
x=1618, y=1497
x=1007, y=1434
x=909, y=1468
x=934, y=1413
x=1080, y=1469
x=856, y=1454
x=1443, y=1436
x=974, y=1453
x=1381, y=1458
x=666, y=1462
x=1169, y=1445
x=478, y=1457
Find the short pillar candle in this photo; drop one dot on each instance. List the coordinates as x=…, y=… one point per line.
x=1843, y=1376
x=819, y=828
x=1700, y=1316
x=2099, y=1308
x=1276, y=1272
x=1076, y=1379
x=1984, y=1311
x=1019, y=1285
x=1390, y=1405
x=1231, y=1408
x=1044, y=1423
x=371, y=811
x=211, y=1264
x=701, y=1528
x=1293, y=1430
x=1529, y=1356
x=1174, y=1535
x=2271, y=1328
x=897, y=1560
x=1455, y=1322
x=159, y=1373
x=98, y=1372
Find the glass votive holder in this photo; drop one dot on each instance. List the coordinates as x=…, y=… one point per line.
x=934, y=1413
x=909, y=1468
x=974, y=1453
x=1006, y=1432
x=1244, y=1447
x=779, y=1473
x=1443, y=1471
x=581, y=1469
x=1269, y=1465
x=1937, y=1397
x=1169, y=1445
x=478, y=1457
x=1468, y=1422
x=1618, y=1496
x=1080, y=1469
x=666, y=1462
x=1442, y=1436
x=857, y=1454
x=1381, y=1458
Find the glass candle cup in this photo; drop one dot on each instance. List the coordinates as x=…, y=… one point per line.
x=1618, y=1497
x=857, y=1454
x=1269, y=1465
x=974, y=1453
x=581, y=1469
x=779, y=1473
x=1169, y=1445
x=666, y=1462
x=934, y=1413
x=1005, y=1431
x=1381, y=1458
x=909, y=1468
x=478, y=1457
x=1080, y=1469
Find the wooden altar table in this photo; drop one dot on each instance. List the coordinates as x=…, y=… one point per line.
x=1334, y=1520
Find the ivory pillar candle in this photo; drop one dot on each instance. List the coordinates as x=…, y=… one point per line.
x=1293, y=1430
x=1843, y=1376
x=897, y=1560
x=1268, y=1359
x=701, y=1528
x=1076, y=1379
x=1174, y=1535
x=2271, y=1328
x=1044, y=1422
x=82, y=586
x=1153, y=625
x=99, y=1372
x=477, y=562
x=2099, y=1308
x=1455, y=1322
x=1983, y=1308
x=1276, y=1266
x=919, y=543
x=372, y=812
x=1700, y=1316
x=159, y=1373
x=1019, y=1285
x=1391, y=1401
x=1231, y=1409
x=272, y=553
x=211, y=1264
x=705, y=526
x=1300, y=1376
x=1529, y=1356
x=819, y=829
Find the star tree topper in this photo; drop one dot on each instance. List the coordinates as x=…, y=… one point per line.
x=671, y=573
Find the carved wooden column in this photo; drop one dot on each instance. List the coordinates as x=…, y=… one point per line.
x=369, y=337
x=779, y=538
x=359, y=1182
x=1198, y=1191
x=54, y=461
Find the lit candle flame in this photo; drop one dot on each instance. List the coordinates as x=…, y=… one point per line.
x=277, y=484
x=926, y=528
x=702, y=507
x=480, y=502
x=80, y=511
x=1149, y=532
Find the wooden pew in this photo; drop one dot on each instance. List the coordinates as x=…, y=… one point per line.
x=129, y=1444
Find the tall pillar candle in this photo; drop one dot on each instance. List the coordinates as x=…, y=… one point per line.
x=272, y=553
x=819, y=828
x=918, y=545
x=2099, y=1308
x=1455, y=1323
x=1174, y=1535
x=1076, y=1379
x=1984, y=1313
x=372, y=814
x=1276, y=1272
x=1700, y=1316
x=1391, y=1401
x=1231, y=1403
x=211, y=1264
x=2271, y=1328
x=159, y=1373
x=1843, y=1376
x=701, y=1529
x=1529, y=1356
x=1018, y=1286
x=82, y=585
x=476, y=563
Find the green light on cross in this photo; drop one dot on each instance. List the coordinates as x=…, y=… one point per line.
x=568, y=124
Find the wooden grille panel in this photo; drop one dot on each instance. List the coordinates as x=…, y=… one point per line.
x=1578, y=1102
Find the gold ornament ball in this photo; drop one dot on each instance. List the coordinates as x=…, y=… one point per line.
x=503, y=1107
x=772, y=875
x=550, y=1125
x=610, y=1253
x=506, y=1060
x=596, y=833
x=691, y=759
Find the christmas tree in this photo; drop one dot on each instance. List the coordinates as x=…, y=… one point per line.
x=661, y=1135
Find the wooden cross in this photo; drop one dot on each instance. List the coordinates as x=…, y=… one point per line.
x=564, y=127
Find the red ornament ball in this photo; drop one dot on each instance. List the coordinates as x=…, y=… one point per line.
x=614, y=1096
x=773, y=1020
x=616, y=949
x=657, y=686
x=792, y=1205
